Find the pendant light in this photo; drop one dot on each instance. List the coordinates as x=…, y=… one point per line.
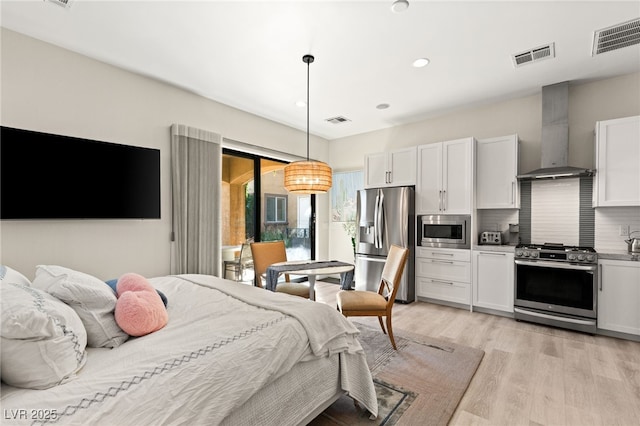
x=307, y=177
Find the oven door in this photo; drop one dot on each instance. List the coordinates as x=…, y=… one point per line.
x=556, y=287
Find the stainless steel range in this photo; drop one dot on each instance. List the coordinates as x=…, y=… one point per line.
x=556, y=285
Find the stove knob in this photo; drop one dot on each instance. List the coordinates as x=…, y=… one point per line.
x=534, y=254
x=518, y=253
x=525, y=253
x=580, y=257
x=572, y=257
x=591, y=258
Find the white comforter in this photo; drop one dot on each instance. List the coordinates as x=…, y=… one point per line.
x=224, y=341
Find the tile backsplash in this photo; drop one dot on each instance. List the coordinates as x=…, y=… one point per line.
x=608, y=223
x=557, y=211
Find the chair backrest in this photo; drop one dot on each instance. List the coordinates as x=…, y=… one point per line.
x=266, y=253
x=392, y=272
x=245, y=262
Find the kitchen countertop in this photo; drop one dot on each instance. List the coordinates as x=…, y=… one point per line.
x=619, y=255
x=489, y=247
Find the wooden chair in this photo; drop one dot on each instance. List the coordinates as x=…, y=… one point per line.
x=367, y=303
x=265, y=254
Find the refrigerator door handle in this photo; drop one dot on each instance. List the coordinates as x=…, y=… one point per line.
x=380, y=220
x=376, y=212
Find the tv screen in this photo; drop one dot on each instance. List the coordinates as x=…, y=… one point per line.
x=45, y=176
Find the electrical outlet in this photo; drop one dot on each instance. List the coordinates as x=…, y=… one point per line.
x=623, y=231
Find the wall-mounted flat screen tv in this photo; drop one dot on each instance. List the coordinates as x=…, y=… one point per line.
x=46, y=176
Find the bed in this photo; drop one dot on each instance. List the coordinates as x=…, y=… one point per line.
x=230, y=354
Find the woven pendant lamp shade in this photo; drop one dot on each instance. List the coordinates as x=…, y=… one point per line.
x=307, y=177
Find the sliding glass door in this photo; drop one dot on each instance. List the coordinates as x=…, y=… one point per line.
x=256, y=207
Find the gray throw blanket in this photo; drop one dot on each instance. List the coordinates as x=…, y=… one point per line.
x=273, y=272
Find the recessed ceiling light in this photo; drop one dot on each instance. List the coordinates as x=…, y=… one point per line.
x=399, y=6
x=382, y=106
x=421, y=62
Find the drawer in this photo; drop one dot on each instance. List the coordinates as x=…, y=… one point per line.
x=458, y=255
x=448, y=270
x=451, y=291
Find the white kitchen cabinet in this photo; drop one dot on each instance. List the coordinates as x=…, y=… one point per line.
x=496, y=171
x=617, y=181
x=392, y=168
x=493, y=280
x=619, y=296
x=444, y=274
x=445, y=171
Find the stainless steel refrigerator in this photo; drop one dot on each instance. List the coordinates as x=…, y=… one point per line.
x=385, y=216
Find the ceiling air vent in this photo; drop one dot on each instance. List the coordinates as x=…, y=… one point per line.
x=616, y=37
x=534, y=55
x=337, y=120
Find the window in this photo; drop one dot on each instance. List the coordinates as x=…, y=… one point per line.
x=275, y=208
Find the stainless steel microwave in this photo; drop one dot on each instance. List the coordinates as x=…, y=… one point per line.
x=448, y=231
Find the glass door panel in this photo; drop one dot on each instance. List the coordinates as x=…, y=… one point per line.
x=238, y=207
x=284, y=216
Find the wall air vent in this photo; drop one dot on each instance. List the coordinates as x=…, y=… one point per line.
x=64, y=3
x=534, y=55
x=616, y=37
x=337, y=120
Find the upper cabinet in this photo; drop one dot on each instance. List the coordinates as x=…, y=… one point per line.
x=445, y=171
x=392, y=168
x=617, y=181
x=496, y=171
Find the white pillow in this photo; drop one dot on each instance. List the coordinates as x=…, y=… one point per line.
x=43, y=340
x=92, y=299
x=8, y=275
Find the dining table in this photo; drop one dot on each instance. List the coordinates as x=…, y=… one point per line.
x=310, y=268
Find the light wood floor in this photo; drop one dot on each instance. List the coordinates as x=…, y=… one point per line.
x=530, y=374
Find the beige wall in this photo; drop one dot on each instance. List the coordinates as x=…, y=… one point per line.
x=49, y=89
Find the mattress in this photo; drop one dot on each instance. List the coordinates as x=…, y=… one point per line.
x=231, y=353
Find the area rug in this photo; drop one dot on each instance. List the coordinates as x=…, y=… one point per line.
x=420, y=383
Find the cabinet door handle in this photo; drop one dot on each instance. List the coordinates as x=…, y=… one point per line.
x=450, y=262
x=492, y=253
x=444, y=200
x=442, y=282
x=390, y=177
x=600, y=277
x=513, y=193
x=442, y=254
x=440, y=200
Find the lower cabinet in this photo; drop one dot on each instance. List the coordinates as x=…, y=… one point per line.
x=619, y=296
x=493, y=280
x=444, y=274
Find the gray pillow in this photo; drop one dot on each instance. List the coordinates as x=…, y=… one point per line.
x=93, y=301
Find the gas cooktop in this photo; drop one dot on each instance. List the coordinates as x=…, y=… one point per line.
x=556, y=252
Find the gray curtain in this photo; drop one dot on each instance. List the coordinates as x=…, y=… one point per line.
x=196, y=175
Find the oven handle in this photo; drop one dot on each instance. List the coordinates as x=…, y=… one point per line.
x=557, y=265
x=553, y=317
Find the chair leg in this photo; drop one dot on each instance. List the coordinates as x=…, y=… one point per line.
x=393, y=342
x=382, y=325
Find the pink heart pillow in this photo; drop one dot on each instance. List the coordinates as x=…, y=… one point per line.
x=139, y=309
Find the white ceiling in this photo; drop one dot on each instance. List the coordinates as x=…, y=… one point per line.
x=249, y=54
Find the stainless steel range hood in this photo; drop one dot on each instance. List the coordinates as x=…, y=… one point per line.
x=555, y=137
